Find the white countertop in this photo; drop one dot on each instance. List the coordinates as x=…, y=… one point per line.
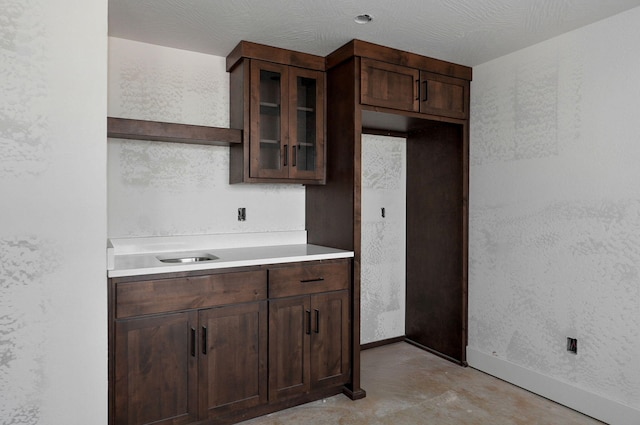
x=124, y=261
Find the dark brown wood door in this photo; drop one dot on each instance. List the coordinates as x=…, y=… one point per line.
x=330, y=339
x=436, y=287
x=269, y=112
x=233, y=358
x=289, y=345
x=388, y=85
x=155, y=370
x=306, y=124
x=444, y=96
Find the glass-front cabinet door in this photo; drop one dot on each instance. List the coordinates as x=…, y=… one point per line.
x=306, y=126
x=269, y=120
x=287, y=122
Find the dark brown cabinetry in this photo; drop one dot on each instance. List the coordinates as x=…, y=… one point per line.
x=309, y=332
x=394, y=86
x=379, y=90
x=213, y=348
x=187, y=348
x=281, y=108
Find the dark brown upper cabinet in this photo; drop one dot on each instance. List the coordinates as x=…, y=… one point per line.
x=444, y=96
x=277, y=98
x=394, y=86
x=389, y=85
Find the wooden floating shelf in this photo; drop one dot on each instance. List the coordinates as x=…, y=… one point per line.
x=124, y=128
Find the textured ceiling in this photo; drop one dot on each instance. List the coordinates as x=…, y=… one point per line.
x=469, y=32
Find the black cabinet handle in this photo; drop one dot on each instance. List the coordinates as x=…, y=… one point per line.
x=308, y=326
x=204, y=340
x=317, y=321
x=417, y=89
x=425, y=92
x=294, y=155
x=286, y=154
x=317, y=279
x=193, y=342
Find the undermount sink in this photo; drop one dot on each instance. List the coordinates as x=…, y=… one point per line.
x=186, y=258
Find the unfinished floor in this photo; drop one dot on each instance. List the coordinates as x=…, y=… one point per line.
x=406, y=385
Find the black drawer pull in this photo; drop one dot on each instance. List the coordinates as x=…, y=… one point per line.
x=317, y=279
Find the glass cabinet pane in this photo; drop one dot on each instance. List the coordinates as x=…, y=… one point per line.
x=270, y=119
x=306, y=143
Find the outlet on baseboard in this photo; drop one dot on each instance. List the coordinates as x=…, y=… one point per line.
x=242, y=214
x=572, y=345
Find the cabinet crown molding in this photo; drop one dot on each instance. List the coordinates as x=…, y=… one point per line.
x=251, y=50
x=399, y=57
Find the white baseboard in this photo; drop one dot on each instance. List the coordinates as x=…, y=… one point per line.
x=590, y=404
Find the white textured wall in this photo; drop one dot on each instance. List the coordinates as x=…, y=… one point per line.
x=53, y=303
x=555, y=209
x=384, y=178
x=163, y=189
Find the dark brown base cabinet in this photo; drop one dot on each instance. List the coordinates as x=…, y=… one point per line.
x=309, y=332
x=227, y=346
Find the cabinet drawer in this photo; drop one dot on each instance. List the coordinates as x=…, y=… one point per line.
x=162, y=295
x=308, y=279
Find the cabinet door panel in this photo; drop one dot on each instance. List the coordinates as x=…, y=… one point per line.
x=156, y=373
x=233, y=363
x=445, y=96
x=269, y=120
x=289, y=339
x=330, y=339
x=306, y=124
x=388, y=85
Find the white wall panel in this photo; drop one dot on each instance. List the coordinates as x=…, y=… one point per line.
x=53, y=292
x=555, y=209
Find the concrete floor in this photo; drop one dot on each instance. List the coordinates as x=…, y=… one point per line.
x=406, y=385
